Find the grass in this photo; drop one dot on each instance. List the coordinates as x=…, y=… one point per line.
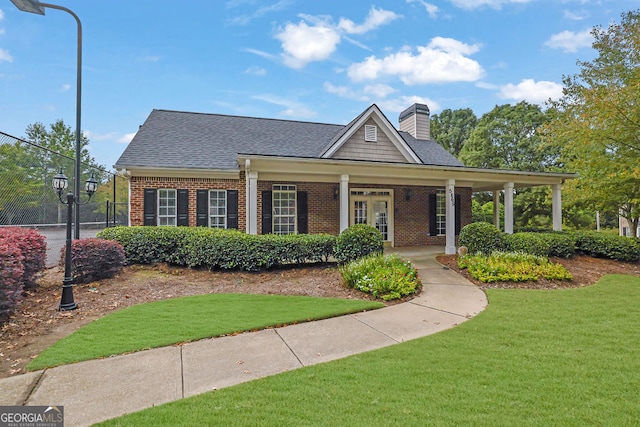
x=172, y=321
x=533, y=357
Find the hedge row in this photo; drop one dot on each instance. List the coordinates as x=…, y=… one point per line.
x=94, y=259
x=231, y=249
x=486, y=238
x=23, y=254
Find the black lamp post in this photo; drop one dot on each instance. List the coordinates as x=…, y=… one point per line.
x=60, y=184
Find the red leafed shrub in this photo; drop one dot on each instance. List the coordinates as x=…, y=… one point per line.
x=33, y=247
x=11, y=284
x=94, y=259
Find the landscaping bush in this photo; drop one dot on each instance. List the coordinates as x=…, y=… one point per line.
x=481, y=237
x=542, y=244
x=212, y=248
x=512, y=267
x=602, y=245
x=94, y=259
x=11, y=273
x=357, y=242
x=387, y=277
x=32, y=246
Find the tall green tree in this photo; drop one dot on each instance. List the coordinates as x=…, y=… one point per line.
x=507, y=137
x=452, y=128
x=597, y=122
x=17, y=189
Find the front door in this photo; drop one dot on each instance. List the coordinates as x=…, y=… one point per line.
x=373, y=207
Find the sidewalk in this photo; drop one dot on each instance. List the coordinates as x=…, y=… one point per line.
x=97, y=390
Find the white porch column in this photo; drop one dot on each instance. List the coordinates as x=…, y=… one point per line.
x=450, y=215
x=508, y=208
x=252, y=212
x=556, y=201
x=344, y=202
x=496, y=208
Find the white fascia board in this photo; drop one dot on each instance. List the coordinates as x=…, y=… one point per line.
x=155, y=172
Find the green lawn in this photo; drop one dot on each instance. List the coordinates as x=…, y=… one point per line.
x=172, y=321
x=532, y=358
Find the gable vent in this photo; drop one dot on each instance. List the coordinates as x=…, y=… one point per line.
x=370, y=133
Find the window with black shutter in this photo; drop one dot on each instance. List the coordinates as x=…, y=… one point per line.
x=202, y=208
x=150, y=206
x=183, y=208
x=303, y=212
x=232, y=209
x=267, y=216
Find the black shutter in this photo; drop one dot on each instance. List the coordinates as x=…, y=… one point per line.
x=150, y=206
x=267, y=206
x=433, y=222
x=458, y=213
x=202, y=208
x=232, y=209
x=183, y=208
x=302, y=212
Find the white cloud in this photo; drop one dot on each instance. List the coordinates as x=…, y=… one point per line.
x=569, y=41
x=375, y=19
x=315, y=38
x=257, y=12
x=126, y=138
x=65, y=87
x=1, y=15
x=399, y=104
x=531, y=91
x=432, y=9
x=344, y=92
x=292, y=108
x=5, y=56
x=577, y=15
x=303, y=43
x=261, y=53
x=475, y=4
x=442, y=60
x=379, y=90
x=256, y=71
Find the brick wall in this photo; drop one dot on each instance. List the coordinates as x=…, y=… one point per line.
x=411, y=217
x=138, y=184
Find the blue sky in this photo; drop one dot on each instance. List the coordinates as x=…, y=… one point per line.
x=321, y=61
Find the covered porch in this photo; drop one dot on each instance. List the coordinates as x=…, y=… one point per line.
x=395, y=184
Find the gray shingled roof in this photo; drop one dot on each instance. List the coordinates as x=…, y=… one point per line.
x=176, y=139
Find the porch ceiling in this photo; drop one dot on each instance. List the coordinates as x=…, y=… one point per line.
x=360, y=172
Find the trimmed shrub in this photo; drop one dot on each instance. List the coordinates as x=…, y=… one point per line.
x=32, y=246
x=356, y=242
x=602, y=245
x=541, y=244
x=11, y=273
x=212, y=248
x=388, y=277
x=481, y=237
x=94, y=259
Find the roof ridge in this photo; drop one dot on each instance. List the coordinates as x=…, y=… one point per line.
x=245, y=117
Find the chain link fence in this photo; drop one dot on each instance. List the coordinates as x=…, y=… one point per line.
x=28, y=199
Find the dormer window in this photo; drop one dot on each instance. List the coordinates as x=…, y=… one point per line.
x=370, y=133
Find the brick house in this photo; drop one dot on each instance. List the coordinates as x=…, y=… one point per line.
x=280, y=176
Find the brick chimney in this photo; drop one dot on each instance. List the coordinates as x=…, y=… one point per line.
x=415, y=121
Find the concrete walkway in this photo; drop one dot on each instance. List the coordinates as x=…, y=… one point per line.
x=97, y=390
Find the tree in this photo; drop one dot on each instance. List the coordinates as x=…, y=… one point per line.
x=17, y=190
x=507, y=138
x=452, y=128
x=597, y=122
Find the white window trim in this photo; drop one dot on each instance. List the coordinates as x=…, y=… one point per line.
x=441, y=217
x=210, y=216
x=284, y=188
x=175, y=207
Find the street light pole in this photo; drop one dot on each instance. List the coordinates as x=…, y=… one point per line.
x=60, y=184
x=37, y=7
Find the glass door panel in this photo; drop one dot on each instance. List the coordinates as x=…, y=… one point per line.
x=360, y=212
x=380, y=214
